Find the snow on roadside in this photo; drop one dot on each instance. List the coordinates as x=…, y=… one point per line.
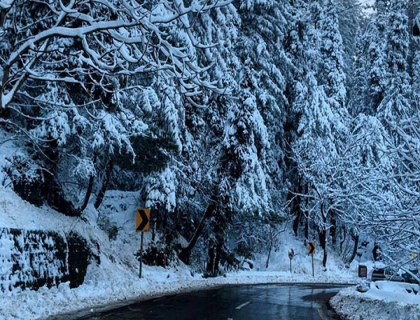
x=301, y=263
x=383, y=301
x=127, y=287
x=116, y=278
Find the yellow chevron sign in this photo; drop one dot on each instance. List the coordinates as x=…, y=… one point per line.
x=143, y=220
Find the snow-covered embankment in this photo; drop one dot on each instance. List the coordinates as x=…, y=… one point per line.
x=383, y=301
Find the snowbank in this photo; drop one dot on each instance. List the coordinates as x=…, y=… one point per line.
x=384, y=300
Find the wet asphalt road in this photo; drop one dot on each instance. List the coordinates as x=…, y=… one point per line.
x=262, y=302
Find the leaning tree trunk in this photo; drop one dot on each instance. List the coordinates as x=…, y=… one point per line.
x=89, y=189
x=88, y=193
x=270, y=247
x=105, y=182
x=356, y=244
x=186, y=252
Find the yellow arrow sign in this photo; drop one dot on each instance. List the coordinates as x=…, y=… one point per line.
x=311, y=247
x=143, y=220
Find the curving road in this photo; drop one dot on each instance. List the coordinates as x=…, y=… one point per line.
x=262, y=302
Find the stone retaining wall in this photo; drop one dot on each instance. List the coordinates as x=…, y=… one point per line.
x=30, y=259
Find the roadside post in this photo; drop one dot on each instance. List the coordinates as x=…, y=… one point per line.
x=291, y=255
x=362, y=271
x=311, y=251
x=142, y=225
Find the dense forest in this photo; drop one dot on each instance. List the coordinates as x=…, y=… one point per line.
x=231, y=119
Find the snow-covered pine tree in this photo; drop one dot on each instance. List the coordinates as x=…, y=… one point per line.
x=199, y=165
x=395, y=104
x=265, y=25
x=320, y=100
x=350, y=20
x=376, y=58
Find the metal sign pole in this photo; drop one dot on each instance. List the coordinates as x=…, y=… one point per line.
x=313, y=272
x=141, y=254
x=142, y=225
x=291, y=255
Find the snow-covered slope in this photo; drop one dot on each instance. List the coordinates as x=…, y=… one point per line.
x=302, y=263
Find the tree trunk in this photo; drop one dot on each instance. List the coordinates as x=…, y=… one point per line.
x=269, y=253
x=89, y=189
x=323, y=236
x=210, y=263
x=322, y=233
x=105, y=183
x=356, y=244
x=297, y=210
x=165, y=219
x=52, y=189
x=306, y=219
x=296, y=223
x=343, y=238
x=154, y=223
x=333, y=232
x=88, y=193
x=219, y=248
x=324, y=259
x=3, y=14
x=186, y=252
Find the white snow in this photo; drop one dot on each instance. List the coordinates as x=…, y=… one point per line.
x=383, y=301
x=367, y=6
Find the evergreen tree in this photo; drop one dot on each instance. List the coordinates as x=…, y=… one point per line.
x=376, y=65
x=321, y=102
x=350, y=20
x=395, y=104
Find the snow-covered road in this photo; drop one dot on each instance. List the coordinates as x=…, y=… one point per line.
x=294, y=302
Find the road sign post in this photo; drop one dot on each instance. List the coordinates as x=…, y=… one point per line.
x=141, y=254
x=142, y=225
x=362, y=271
x=311, y=251
x=291, y=255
